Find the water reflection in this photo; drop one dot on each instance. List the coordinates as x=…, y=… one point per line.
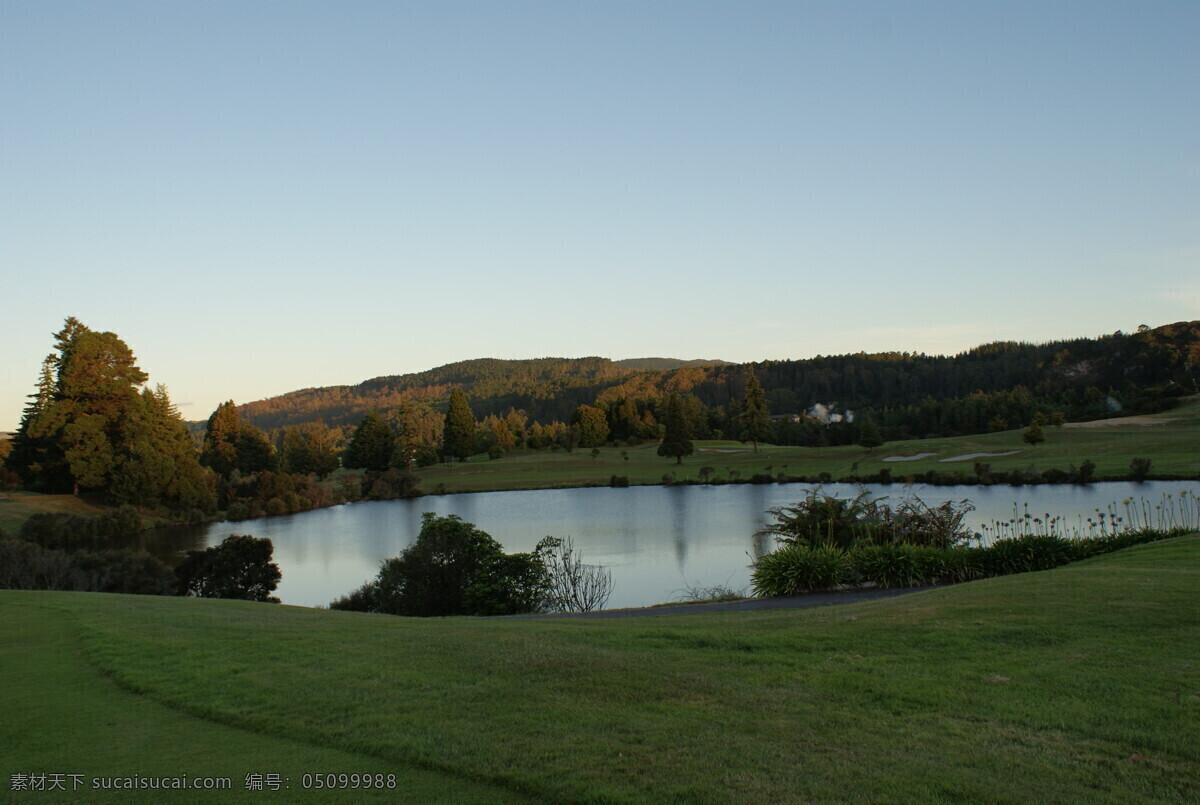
x=656, y=540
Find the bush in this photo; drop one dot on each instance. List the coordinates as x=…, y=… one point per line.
x=495, y=451
x=453, y=568
x=796, y=569
x=1027, y=553
x=618, y=480
x=1139, y=469
x=572, y=585
x=897, y=565
x=240, y=567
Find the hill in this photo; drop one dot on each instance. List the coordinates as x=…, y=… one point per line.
x=1083, y=679
x=908, y=395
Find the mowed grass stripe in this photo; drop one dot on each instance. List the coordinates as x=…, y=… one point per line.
x=63, y=715
x=1077, y=684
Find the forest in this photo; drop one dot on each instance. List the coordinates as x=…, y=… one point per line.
x=533, y=404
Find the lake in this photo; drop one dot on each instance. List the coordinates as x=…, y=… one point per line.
x=656, y=540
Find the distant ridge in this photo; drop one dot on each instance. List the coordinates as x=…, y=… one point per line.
x=912, y=394
x=661, y=364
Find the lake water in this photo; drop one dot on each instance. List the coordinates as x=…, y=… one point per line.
x=656, y=540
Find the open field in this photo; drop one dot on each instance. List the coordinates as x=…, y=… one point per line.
x=1173, y=446
x=1076, y=684
x=16, y=508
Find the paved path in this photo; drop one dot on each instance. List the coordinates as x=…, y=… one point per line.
x=789, y=602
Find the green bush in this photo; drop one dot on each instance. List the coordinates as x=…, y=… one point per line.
x=452, y=569
x=896, y=565
x=1027, y=553
x=796, y=569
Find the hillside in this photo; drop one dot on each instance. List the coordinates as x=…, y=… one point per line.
x=908, y=394
x=1083, y=678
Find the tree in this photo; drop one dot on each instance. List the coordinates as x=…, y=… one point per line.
x=240, y=567
x=309, y=450
x=219, y=451
x=453, y=568
x=371, y=445
x=458, y=436
x=573, y=586
x=753, y=421
x=677, y=440
x=1033, y=435
x=88, y=427
x=593, y=425
x=868, y=434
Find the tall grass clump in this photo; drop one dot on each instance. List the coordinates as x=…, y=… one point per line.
x=796, y=569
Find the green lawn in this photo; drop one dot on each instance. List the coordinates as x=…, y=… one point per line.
x=1173, y=446
x=1076, y=684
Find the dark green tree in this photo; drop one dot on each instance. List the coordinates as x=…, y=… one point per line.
x=677, y=440
x=1033, y=435
x=458, y=436
x=371, y=445
x=309, y=450
x=240, y=567
x=753, y=421
x=453, y=568
x=231, y=444
x=868, y=434
x=219, y=451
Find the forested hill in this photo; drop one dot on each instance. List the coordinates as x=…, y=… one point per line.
x=1085, y=377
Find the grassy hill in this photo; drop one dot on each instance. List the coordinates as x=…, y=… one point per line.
x=1077, y=684
x=1171, y=440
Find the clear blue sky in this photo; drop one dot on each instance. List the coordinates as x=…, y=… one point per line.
x=265, y=196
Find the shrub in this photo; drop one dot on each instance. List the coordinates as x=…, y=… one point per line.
x=1054, y=476
x=240, y=567
x=799, y=568
x=897, y=565
x=495, y=451
x=1027, y=553
x=1139, y=469
x=572, y=585
x=618, y=480
x=453, y=568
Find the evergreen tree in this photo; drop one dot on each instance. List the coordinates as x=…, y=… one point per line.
x=868, y=434
x=89, y=427
x=231, y=444
x=1033, y=435
x=458, y=436
x=219, y=452
x=754, y=423
x=371, y=445
x=677, y=440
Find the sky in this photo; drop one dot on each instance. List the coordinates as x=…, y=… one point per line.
x=260, y=197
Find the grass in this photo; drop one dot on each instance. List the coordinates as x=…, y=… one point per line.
x=17, y=507
x=1076, y=684
x=1174, y=448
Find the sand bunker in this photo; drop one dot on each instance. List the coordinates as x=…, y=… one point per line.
x=909, y=458
x=970, y=456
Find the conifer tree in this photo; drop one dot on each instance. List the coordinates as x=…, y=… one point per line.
x=458, y=435
x=754, y=423
x=677, y=440
x=371, y=445
x=868, y=434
